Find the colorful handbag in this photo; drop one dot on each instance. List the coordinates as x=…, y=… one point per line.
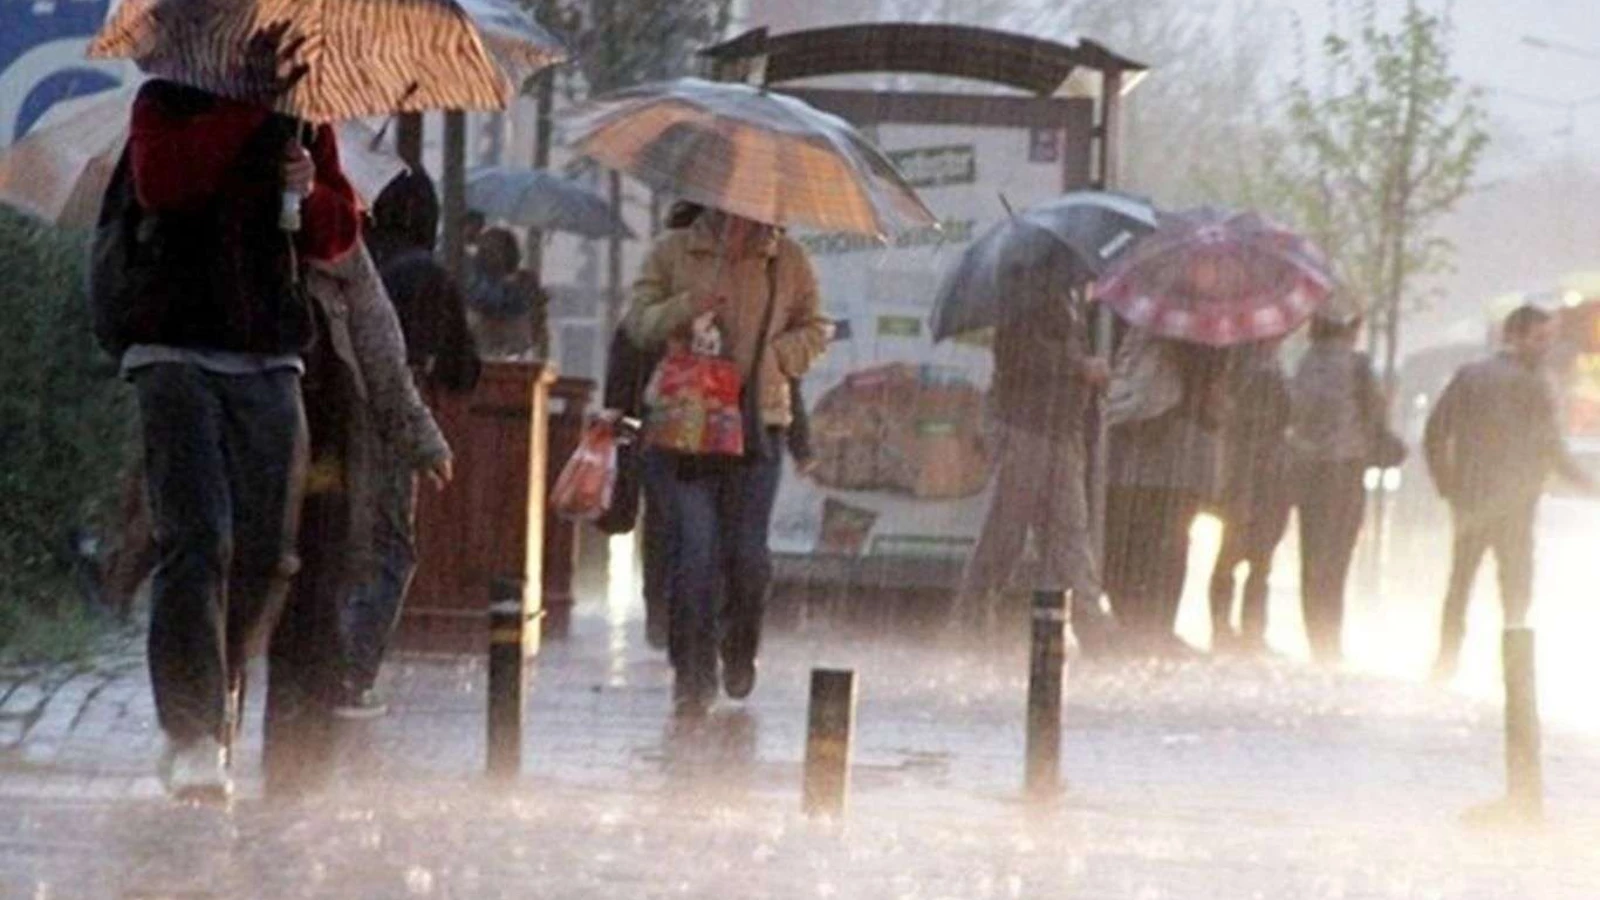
x=693, y=399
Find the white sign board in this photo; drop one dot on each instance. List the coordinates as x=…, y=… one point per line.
x=904, y=455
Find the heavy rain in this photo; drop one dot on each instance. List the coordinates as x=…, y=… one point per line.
x=857, y=449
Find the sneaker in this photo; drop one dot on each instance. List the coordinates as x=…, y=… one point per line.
x=361, y=706
x=195, y=772
x=739, y=679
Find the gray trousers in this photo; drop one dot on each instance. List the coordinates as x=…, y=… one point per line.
x=1041, y=489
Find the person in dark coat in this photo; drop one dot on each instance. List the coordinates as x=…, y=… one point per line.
x=1491, y=443
x=1256, y=497
x=440, y=353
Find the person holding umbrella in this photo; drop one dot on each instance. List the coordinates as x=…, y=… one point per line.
x=760, y=287
x=216, y=364
x=1205, y=281
x=758, y=161
x=1045, y=380
x=230, y=184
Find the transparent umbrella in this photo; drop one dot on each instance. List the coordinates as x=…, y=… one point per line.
x=59, y=172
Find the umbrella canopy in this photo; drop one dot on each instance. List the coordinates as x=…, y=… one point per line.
x=754, y=153
x=1069, y=241
x=518, y=42
x=360, y=58
x=60, y=171
x=542, y=201
x=1211, y=276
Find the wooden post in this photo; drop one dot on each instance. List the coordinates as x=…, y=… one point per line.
x=454, y=190
x=508, y=622
x=1042, y=780
x=830, y=728
x=1524, y=766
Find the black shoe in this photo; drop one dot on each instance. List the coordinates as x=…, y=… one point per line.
x=656, y=632
x=359, y=706
x=690, y=703
x=739, y=679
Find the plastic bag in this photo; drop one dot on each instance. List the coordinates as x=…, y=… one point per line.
x=583, y=490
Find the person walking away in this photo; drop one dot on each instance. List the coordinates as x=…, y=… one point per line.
x=213, y=344
x=1166, y=418
x=507, y=307
x=1256, y=497
x=437, y=353
x=746, y=274
x=1491, y=443
x=1337, y=412
x=1044, y=383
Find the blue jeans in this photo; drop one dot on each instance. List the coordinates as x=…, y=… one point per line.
x=723, y=513
x=659, y=528
x=372, y=610
x=224, y=463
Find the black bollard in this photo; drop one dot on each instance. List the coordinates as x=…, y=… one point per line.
x=1524, y=767
x=1045, y=674
x=828, y=734
x=508, y=624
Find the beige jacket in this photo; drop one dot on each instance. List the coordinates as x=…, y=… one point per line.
x=685, y=265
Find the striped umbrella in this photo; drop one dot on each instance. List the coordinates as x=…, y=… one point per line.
x=60, y=170
x=519, y=43
x=755, y=153
x=360, y=58
x=1211, y=276
x=543, y=202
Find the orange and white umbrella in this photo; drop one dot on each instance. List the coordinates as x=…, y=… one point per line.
x=759, y=154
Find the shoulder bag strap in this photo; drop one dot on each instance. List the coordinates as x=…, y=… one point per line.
x=753, y=430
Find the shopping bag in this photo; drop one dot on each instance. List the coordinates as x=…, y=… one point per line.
x=583, y=490
x=693, y=399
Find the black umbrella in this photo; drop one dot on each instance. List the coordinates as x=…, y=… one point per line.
x=1068, y=241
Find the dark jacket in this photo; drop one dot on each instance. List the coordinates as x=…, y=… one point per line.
x=1493, y=439
x=433, y=317
x=207, y=173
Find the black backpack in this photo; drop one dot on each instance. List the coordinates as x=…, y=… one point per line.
x=121, y=261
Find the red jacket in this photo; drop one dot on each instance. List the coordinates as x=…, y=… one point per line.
x=179, y=161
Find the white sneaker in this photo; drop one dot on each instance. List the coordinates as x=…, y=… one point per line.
x=195, y=772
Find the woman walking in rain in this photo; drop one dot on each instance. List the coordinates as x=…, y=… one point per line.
x=1256, y=497
x=1337, y=411
x=757, y=289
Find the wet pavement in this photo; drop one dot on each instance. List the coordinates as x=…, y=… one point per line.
x=1201, y=779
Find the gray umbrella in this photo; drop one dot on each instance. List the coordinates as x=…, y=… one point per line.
x=1070, y=241
x=544, y=202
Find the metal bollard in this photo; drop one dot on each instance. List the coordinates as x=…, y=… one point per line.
x=508, y=625
x=830, y=728
x=1524, y=766
x=1046, y=671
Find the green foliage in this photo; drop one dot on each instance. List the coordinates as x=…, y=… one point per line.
x=618, y=43
x=64, y=420
x=1379, y=149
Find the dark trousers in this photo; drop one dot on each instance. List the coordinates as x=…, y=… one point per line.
x=723, y=514
x=371, y=612
x=1509, y=534
x=1147, y=556
x=657, y=543
x=1250, y=536
x=225, y=459
x=1332, y=500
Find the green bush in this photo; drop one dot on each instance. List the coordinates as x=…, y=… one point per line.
x=65, y=421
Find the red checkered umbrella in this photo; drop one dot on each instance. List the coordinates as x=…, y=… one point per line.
x=1210, y=276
